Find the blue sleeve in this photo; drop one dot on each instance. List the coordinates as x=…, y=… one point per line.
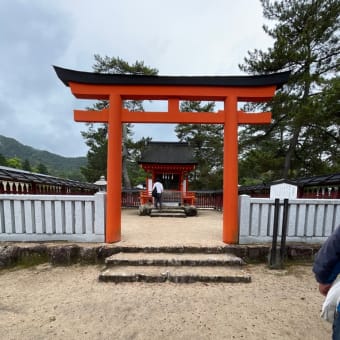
x=327, y=262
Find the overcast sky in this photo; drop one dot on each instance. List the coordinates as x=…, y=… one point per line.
x=178, y=37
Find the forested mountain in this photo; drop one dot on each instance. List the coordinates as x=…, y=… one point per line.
x=56, y=165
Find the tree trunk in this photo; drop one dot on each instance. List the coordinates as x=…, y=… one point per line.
x=290, y=152
x=297, y=130
x=126, y=178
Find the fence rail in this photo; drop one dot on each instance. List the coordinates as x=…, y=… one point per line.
x=209, y=199
x=309, y=220
x=203, y=199
x=130, y=198
x=52, y=217
x=82, y=218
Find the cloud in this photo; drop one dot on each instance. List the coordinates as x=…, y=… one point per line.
x=32, y=106
x=177, y=37
x=32, y=37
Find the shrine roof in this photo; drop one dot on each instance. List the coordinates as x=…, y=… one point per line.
x=167, y=153
x=67, y=76
x=12, y=174
x=332, y=179
x=312, y=181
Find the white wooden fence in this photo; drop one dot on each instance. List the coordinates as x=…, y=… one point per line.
x=52, y=218
x=309, y=220
x=82, y=218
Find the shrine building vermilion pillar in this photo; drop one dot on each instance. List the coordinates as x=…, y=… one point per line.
x=227, y=89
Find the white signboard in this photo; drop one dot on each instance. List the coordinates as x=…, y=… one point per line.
x=283, y=190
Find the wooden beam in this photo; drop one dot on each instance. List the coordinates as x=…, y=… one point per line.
x=91, y=116
x=173, y=117
x=254, y=118
x=205, y=93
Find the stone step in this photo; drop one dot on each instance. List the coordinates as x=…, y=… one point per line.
x=182, y=215
x=176, y=274
x=168, y=212
x=174, y=267
x=171, y=204
x=169, y=259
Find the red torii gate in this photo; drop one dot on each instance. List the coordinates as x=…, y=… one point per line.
x=118, y=87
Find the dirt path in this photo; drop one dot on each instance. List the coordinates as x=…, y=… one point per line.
x=47, y=302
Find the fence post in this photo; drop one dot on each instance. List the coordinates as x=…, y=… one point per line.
x=273, y=252
x=284, y=230
x=275, y=261
x=100, y=213
x=243, y=216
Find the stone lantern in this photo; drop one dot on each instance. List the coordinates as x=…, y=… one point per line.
x=101, y=183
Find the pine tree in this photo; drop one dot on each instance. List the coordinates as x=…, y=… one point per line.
x=96, y=138
x=304, y=135
x=207, y=143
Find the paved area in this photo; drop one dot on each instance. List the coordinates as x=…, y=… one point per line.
x=205, y=229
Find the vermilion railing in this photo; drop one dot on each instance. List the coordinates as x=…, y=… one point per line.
x=201, y=199
x=170, y=196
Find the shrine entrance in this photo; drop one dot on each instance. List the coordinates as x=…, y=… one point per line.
x=171, y=162
x=170, y=181
x=119, y=87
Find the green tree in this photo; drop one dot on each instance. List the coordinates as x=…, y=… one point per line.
x=135, y=149
x=71, y=174
x=42, y=169
x=96, y=138
x=14, y=162
x=3, y=160
x=26, y=165
x=207, y=143
x=303, y=138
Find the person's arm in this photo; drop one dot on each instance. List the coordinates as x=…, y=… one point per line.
x=327, y=262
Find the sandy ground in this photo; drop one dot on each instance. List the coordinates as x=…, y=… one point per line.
x=45, y=302
x=204, y=229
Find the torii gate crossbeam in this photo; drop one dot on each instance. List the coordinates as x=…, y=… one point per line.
x=116, y=88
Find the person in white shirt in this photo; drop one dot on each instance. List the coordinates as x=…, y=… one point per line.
x=158, y=198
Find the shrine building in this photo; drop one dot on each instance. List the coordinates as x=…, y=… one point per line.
x=171, y=162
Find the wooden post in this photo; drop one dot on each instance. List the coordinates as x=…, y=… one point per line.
x=114, y=171
x=230, y=172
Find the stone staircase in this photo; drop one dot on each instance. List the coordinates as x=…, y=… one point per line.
x=168, y=211
x=174, y=267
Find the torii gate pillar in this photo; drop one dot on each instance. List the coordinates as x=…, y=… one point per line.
x=117, y=87
x=230, y=172
x=114, y=167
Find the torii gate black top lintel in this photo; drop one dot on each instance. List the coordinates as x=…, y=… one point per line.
x=67, y=76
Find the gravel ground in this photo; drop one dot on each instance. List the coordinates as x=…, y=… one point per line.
x=45, y=302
